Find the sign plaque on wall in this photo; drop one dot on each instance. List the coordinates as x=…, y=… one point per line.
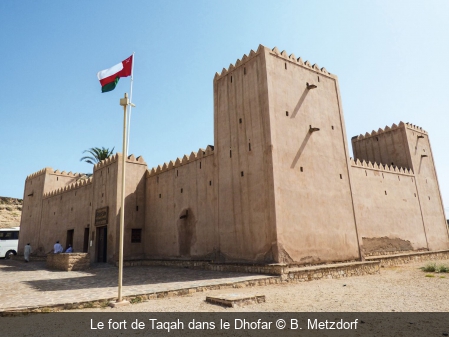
x=101, y=216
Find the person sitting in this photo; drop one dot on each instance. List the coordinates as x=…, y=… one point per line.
x=69, y=249
x=57, y=248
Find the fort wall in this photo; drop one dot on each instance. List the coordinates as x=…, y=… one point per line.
x=422, y=162
x=387, y=209
x=314, y=214
x=180, y=208
x=244, y=169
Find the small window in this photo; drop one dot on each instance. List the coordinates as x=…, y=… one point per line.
x=181, y=190
x=200, y=165
x=341, y=176
x=244, y=71
x=160, y=196
x=285, y=65
x=241, y=174
x=210, y=182
x=318, y=78
x=332, y=127
x=240, y=120
x=136, y=235
x=230, y=153
x=177, y=173
x=137, y=208
x=286, y=113
x=385, y=192
x=414, y=194
x=249, y=146
x=301, y=169
x=231, y=79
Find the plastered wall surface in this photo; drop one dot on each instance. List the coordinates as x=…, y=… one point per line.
x=245, y=214
x=314, y=216
x=180, y=204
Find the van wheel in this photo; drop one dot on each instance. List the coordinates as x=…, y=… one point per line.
x=9, y=253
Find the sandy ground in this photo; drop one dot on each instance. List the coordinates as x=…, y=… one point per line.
x=401, y=289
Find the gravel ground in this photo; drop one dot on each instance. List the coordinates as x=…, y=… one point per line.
x=401, y=289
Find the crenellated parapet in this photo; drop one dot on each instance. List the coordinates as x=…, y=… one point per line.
x=415, y=128
x=78, y=184
x=389, y=129
x=38, y=173
x=202, y=153
x=114, y=158
x=49, y=170
x=275, y=51
x=379, y=167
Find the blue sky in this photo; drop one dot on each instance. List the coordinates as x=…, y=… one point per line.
x=390, y=56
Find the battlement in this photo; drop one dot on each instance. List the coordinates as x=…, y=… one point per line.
x=70, y=187
x=275, y=51
x=49, y=170
x=202, y=153
x=379, y=167
x=389, y=129
x=112, y=159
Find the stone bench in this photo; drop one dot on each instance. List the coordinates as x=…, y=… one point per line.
x=68, y=261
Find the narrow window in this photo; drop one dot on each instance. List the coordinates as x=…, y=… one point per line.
x=231, y=79
x=160, y=196
x=240, y=120
x=382, y=175
x=318, y=78
x=54, y=213
x=399, y=178
x=90, y=203
x=244, y=71
x=137, y=208
x=377, y=139
x=385, y=192
x=366, y=173
x=286, y=113
x=200, y=165
x=414, y=194
x=241, y=173
x=136, y=235
x=181, y=190
x=341, y=177
x=177, y=173
x=392, y=163
x=285, y=65
x=71, y=209
x=301, y=169
x=57, y=178
x=102, y=195
x=230, y=153
x=332, y=127
x=429, y=198
x=249, y=146
x=108, y=170
x=210, y=182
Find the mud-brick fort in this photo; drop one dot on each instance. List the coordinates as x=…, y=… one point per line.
x=277, y=186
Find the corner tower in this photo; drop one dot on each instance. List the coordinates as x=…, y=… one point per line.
x=282, y=166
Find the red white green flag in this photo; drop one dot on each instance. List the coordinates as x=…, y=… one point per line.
x=109, y=77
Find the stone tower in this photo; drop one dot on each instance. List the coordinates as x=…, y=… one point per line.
x=282, y=167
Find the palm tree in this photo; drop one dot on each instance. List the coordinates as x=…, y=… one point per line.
x=97, y=155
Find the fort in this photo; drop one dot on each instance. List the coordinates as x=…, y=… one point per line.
x=277, y=186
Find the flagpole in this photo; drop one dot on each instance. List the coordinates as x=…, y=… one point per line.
x=130, y=100
x=125, y=103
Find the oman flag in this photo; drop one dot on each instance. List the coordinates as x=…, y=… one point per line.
x=109, y=77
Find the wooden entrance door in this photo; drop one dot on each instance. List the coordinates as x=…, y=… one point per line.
x=102, y=248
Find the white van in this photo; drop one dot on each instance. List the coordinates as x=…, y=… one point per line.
x=9, y=241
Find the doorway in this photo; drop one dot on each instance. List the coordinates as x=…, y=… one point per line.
x=86, y=240
x=69, y=240
x=102, y=237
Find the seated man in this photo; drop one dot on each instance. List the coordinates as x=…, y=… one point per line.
x=69, y=249
x=57, y=248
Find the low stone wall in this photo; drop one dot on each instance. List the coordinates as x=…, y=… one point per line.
x=387, y=260
x=266, y=269
x=333, y=271
x=68, y=261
